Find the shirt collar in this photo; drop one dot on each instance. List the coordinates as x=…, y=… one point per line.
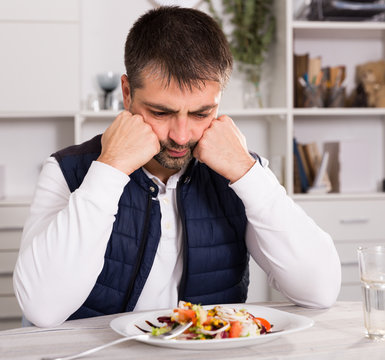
x=172, y=180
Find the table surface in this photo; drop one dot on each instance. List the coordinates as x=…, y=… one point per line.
x=338, y=333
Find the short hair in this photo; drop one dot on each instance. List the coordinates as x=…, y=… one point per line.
x=181, y=44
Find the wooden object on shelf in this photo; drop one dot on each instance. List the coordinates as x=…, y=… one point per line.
x=301, y=67
x=314, y=69
x=371, y=76
x=350, y=168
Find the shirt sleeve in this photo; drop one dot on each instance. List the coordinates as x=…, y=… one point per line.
x=299, y=258
x=64, y=241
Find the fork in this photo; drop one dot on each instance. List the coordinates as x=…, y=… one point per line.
x=166, y=336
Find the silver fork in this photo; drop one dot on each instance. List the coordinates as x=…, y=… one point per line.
x=166, y=336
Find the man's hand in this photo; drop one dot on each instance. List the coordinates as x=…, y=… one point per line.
x=223, y=148
x=128, y=143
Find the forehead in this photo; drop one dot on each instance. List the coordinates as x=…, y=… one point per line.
x=161, y=75
x=157, y=89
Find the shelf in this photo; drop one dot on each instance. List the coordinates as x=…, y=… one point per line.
x=254, y=112
x=339, y=111
x=15, y=201
x=103, y=114
x=336, y=25
x=34, y=115
x=339, y=196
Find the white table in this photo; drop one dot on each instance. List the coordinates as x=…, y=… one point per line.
x=338, y=333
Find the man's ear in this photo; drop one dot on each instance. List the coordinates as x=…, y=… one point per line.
x=126, y=91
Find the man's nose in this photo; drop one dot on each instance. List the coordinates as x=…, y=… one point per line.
x=180, y=131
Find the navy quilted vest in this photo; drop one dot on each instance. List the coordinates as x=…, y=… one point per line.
x=215, y=257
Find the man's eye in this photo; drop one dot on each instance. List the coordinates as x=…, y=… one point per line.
x=159, y=113
x=201, y=115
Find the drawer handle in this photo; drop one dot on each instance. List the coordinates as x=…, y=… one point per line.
x=6, y=273
x=349, y=263
x=354, y=221
x=11, y=228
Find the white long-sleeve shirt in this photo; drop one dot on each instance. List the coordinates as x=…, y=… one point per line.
x=66, y=235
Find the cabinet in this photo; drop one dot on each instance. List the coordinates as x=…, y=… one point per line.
x=353, y=219
x=39, y=75
x=12, y=217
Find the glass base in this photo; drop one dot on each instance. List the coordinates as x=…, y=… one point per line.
x=252, y=97
x=376, y=336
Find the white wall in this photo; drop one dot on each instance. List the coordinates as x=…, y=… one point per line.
x=39, y=55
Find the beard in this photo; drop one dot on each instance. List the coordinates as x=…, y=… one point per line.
x=174, y=163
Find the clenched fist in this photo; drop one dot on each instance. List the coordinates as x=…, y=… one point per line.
x=223, y=148
x=128, y=143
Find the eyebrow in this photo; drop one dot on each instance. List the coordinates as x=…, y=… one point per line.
x=172, y=111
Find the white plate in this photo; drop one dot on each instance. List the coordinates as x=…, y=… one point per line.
x=283, y=322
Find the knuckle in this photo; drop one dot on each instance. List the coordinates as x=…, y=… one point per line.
x=137, y=118
x=202, y=142
x=148, y=131
x=124, y=115
x=224, y=118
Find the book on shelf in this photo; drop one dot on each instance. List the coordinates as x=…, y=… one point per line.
x=313, y=158
x=310, y=169
x=300, y=168
x=305, y=163
x=297, y=177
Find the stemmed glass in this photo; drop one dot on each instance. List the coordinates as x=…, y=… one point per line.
x=108, y=82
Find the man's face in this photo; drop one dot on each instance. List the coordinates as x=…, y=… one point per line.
x=178, y=117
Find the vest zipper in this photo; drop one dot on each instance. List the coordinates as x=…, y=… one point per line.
x=182, y=284
x=142, y=247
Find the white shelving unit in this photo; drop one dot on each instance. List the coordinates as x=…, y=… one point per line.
x=351, y=218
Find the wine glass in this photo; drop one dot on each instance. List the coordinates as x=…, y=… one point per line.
x=108, y=82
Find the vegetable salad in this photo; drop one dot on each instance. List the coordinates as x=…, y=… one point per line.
x=217, y=323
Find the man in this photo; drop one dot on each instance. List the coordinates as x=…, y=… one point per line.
x=168, y=203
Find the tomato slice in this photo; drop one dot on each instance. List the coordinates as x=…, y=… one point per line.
x=186, y=315
x=235, y=329
x=264, y=322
